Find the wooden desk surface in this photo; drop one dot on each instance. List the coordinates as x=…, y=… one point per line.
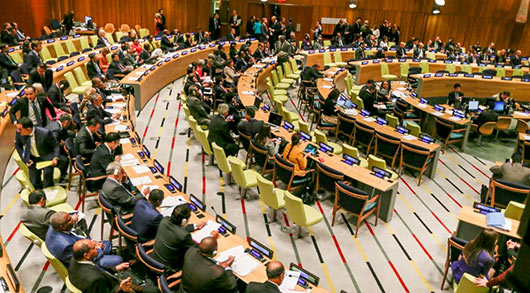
x=4, y=261
x=467, y=215
x=224, y=243
x=430, y=109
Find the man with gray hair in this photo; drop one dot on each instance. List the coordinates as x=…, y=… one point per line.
x=116, y=192
x=219, y=131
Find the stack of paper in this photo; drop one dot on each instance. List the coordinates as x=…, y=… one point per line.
x=369, y=119
x=289, y=281
x=409, y=137
x=124, y=141
x=243, y=263
x=121, y=128
x=497, y=220
x=151, y=187
x=140, y=169
x=437, y=113
x=140, y=180
x=113, y=111
x=205, y=231
x=351, y=112
x=526, y=137
x=119, y=105
x=128, y=163
x=454, y=118
x=172, y=201
x=420, y=105
x=327, y=86
x=247, y=92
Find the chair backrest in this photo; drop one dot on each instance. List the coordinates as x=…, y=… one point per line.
x=350, y=198
x=384, y=69
x=238, y=169
x=414, y=128
x=287, y=68
x=203, y=139
x=109, y=27
x=374, y=161
x=451, y=68
x=17, y=57
x=487, y=128
x=295, y=209
x=94, y=40
x=304, y=127
x=244, y=139
x=350, y=150
x=345, y=124
x=393, y=121
x=467, y=68
x=424, y=67
x=338, y=56
x=110, y=38
x=80, y=75
x=364, y=134
x=413, y=155
x=220, y=157
x=294, y=66
x=148, y=261
x=23, y=167
x=125, y=28
x=320, y=136
x=56, y=263
x=326, y=177
x=30, y=235
x=517, y=72
x=430, y=55
x=327, y=43
x=359, y=102
x=70, y=46
x=466, y=285
x=71, y=80
x=143, y=32
x=59, y=51
x=386, y=145
x=266, y=193
x=491, y=72
x=125, y=230
x=260, y=154
x=504, y=192
x=327, y=58
x=84, y=42
x=45, y=53
x=274, y=77
x=514, y=210
x=284, y=170
x=503, y=123
x=404, y=68
x=119, y=35
x=280, y=72
x=501, y=72
x=70, y=286
x=522, y=126
x=443, y=129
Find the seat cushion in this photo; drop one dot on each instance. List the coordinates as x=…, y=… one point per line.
x=300, y=180
x=341, y=64
x=312, y=215
x=281, y=98
x=278, y=193
x=287, y=80
x=363, y=163
x=389, y=76
x=369, y=206
x=293, y=75
x=280, y=92
x=55, y=195
x=282, y=86
x=251, y=178
x=456, y=135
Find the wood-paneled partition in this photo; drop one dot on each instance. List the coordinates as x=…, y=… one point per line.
x=467, y=21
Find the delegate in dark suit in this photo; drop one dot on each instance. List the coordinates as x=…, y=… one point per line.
x=512, y=172
x=101, y=158
x=45, y=79
x=454, y=98
x=118, y=195
x=57, y=98
x=93, y=70
x=99, y=113
x=47, y=149
x=89, y=278
x=171, y=243
x=267, y=287
x=219, y=132
x=7, y=64
x=117, y=68
x=312, y=74
x=401, y=53
x=250, y=127
x=487, y=115
x=200, y=274
x=85, y=143
x=60, y=244
x=37, y=219
x=368, y=101
x=360, y=54
x=32, y=60
x=22, y=105
x=146, y=220
x=214, y=27
x=166, y=44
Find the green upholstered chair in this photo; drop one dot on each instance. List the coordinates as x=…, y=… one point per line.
x=81, y=77
x=59, y=50
x=289, y=72
x=447, y=133
x=110, y=38
x=424, y=67
x=70, y=46
x=321, y=137
x=30, y=235
x=301, y=214
x=385, y=72
x=514, y=210
x=25, y=172
x=56, y=263
x=387, y=146
x=467, y=68
x=203, y=139
x=244, y=178
x=70, y=286
x=282, y=77
x=270, y=196
x=327, y=43
x=76, y=88
x=45, y=54
x=276, y=82
x=359, y=103
x=222, y=162
x=466, y=285
x=143, y=32
x=413, y=127
x=294, y=66
x=354, y=152
x=501, y=72
x=450, y=67
x=393, y=121
x=338, y=59
x=277, y=96
x=84, y=43
x=94, y=40
x=517, y=72
x=327, y=60
x=404, y=69
x=374, y=161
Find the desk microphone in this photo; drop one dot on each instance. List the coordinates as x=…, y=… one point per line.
x=214, y=210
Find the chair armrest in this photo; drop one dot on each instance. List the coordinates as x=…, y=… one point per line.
x=127, y=216
x=459, y=130
x=96, y=178
x=149, y=243
x=176, y=275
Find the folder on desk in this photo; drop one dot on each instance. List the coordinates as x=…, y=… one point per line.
x=497, y=220
x=44, y=164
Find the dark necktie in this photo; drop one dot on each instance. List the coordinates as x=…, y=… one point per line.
x=36, y=113
x=27, y=148
x=122, y=68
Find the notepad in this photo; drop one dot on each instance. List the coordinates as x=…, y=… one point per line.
x=119, y=105
x=526, y=137
x=114, y=111
x=141, y=180
x=124, y=141
x=437, y=113
x=140, y=169
x=133, y=78
x=422, y=105
x=409, y=137
x=127, y=156
x=369, y=119
x=128, y=163
x=121, y=128
x=453, y=118
x=497, y=220
x=350, y=112
x=13, y=94
x=243, y=264
x=247, y=92
x=172, y=201
x=206, y=231
x=44, y=164
x=290, y=280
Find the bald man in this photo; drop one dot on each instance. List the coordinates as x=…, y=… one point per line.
x=201, y=273
x=61, y=237
x=275, y=275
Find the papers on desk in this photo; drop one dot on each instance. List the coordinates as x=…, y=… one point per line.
x=328, y=79
x=243, y=264
x=247, y=92
x=140, y=169
x=380, y=106
x=409, y=137
x=497, y=220
x=526, y=137
x=400, y=89
x=121, y=128
x=327, y=86
x=124, y=141
x=257, y=66
x=114, y=111
x=44, y=164
x=151, y=187
x=398, y=93
x=289, y=281
x=520, y=113
x=13, y=94
x=141, y=180
x=436, y=113
x=127, y=156
x=206, y=231
x=128, y=163
x=173, y=201
x=133, y=78
x=139, y=72
x=119, y=105
x=453, y=118
x=350, y=112
x=369, y=119
x=420, y=105
x=51, y=193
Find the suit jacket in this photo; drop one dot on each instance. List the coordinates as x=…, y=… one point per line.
x=146, y=220
x=99, y=113
x=368, y=101
x=7, y=62
x=37, y=219
x=312, y=74
x=57, y=130
x=7, y=38
x=200, y=275
x=214, y=27
x=219, y=131
x=103, y=42
x=32, y=60
x=360, y=54
x=90, y=278
x=451, y=98
x=116, y=68
x=56, y=96
x=512, y=172
x=119, y=196
x=84, y=144
x=171, y=243
x=197, y=109
x=266, y=287
x=417, y=52
x=93, y=70
x=47, y=145
x=22, y=106
x=46, y=80
x=61, y=244
x=486, y=116
x=101, y=158
x=251, y=127
x=165, y=43
x=515, y=60
x=401, y=53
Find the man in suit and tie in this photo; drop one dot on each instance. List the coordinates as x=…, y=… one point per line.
x=9, y=66
x=116, y=192
x=87, y=140
x=201, y=273
x=360, y=54
x=102, y=39
x=249, y=125
x=419, y=52
x=37, y=216
x=313, y=73
x=515, y=60
x=455, y=97
x=61, y=132
x=56, y=95
x=61, y=237
x=232, y=35
x=116, y=67
x=92, y=67
x=400, y=51
x=42, y=75
x=219, y=131
x=96, y=110
x=104, y=155
x=33, y=59
x=259, y=54
x=165, y=43
x=34, y=145
x=215, y=26
x=32, y=107
x=235, y=22
x=173, y=238
x=146, y=217
x=275, y=275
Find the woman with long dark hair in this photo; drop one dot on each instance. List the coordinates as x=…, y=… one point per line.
x=477, y=257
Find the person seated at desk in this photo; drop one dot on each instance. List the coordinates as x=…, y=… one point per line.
x=306, y=43
x=202, y=273
x=512, y=171
x=400, y=51
x=118, y=69
x=36, y=216
x=219, y=131
x=509, y=103
x=313, y=73
x=419, y=52
x=385, y=92
x=360, y=53
x=117, y=192
x=264, y=139
x=516, y=60
x=33, y=59
x=455, y=97
x=61, y=237
x=104, y=61
x=249, y=125
x=477, y=257
x=146, y=218
x=9, y=68
x=230, y=73
x=329, y=114
x=95, y=110
x=507, y=258
x=199, y=109
x=102, y=39
x=294, y=153
x=488, y=115
x=92, y=67
x=103, y=156
x=87, y=139
x=369, y=99
x=56, y=95
x=501, y=57
x=275, y=275
x=173, y=238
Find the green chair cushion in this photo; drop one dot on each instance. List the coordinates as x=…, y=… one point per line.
x=369, y=206
x=282, y=86
x=456, y=135
x=312, y=215
x=389, y=76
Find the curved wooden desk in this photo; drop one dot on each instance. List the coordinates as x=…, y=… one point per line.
x=147, y=80
x=367, y=69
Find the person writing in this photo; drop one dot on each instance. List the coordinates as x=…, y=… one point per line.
x=477, y=257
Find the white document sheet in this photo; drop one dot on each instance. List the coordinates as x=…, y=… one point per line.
x=243, y=264
x=140, y=169
x=210, y=226
x=172, y=201
x=409, y=137
x=141, y=180
x=289, y=281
